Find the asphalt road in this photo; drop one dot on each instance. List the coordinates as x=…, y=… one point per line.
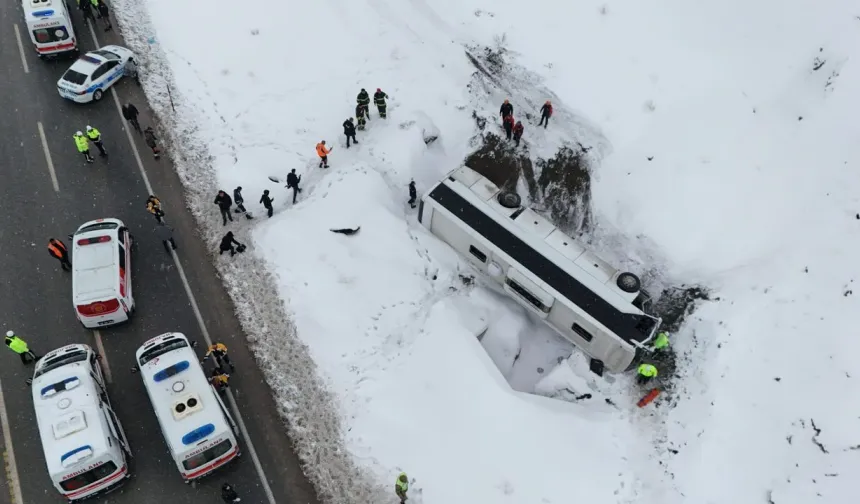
x=35, y=300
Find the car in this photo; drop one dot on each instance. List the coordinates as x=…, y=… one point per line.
x=93, y=73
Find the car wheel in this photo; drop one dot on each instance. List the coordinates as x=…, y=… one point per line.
x=628, y=282
x=509, y=199
x=97, y=95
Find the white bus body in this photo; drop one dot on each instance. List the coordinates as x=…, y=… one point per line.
x=198, y=429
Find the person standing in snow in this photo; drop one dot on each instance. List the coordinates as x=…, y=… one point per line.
x=238, y=200
x=165, y=234
x=360, y=113
x=413, y=194
x=508, y=123
x=224, y=203
x=507, y=109
x=323, y=153
x=401, y=486
x=228, y=494
x=646, y=372
x=95, y=137
x=227, y=244
x=129, y=112
x=82, y=143
x=363, y=99
x=349, y=131
x=58, y=250
x=379, y=100
x=518, y=132
x=151, y=141
x=153, y=206
x=267, y=202
x=545, y=114
x=293, y=183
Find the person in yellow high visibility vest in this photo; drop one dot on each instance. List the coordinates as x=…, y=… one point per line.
x=83, y=145
x=646, y=372
x=20, y=347
x=661, y=342
x=401, y=485
x=95, y=137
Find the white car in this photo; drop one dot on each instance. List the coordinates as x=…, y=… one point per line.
x=93, y=73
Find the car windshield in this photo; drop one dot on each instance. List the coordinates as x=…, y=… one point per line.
x=161, y=349
x=88, y=478
x=62, y=360
x=97, y=227
x=107, y=54
x=208, y=456
x=48, y=35
x=74, y=77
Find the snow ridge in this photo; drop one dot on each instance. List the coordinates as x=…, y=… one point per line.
x=305, y=402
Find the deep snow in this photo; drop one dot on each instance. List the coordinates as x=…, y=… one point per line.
x=720, y=156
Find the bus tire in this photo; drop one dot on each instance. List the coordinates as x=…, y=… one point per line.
x=628, y=282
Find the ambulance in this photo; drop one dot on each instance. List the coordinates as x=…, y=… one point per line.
x=50, y=27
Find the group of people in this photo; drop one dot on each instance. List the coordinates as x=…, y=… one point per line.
x=358, y=123
x=90, y=9
x=83, y=143
x=647, y=371
x=516, y=129
x=130, y=113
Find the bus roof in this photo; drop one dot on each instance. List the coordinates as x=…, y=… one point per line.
x=173, y=378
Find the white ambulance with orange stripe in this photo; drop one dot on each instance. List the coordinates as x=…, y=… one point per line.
x=101, y=273
x=50, y=26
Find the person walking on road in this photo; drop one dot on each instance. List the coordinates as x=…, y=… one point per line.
x=413, y=194
x=363, y=100
x=323, y=153
x=224, y=203
x=518, y=132
x=165, y=234
x=96, y=137
x=227, y=245
x=267, y=202
x=228, y=494
x=545, y=114
x=153, y=206
x=151, y=141
x=129, y=112
x=58, y=250
x=20, y=347
x=349, y=131
x=361, y=116
x=293, y=183
x=401, y=486
x=86, y=8
x=95, y=7
x=82, y=143
x=218, y=351
x=102, y=9
x=379, y=100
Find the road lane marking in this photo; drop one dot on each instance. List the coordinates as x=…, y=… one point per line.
x=101, y=349
x=21, y=49
x=48, y=156
x=11, y=465
x=195, y=308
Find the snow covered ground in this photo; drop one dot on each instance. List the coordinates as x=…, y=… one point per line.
x=724, y=152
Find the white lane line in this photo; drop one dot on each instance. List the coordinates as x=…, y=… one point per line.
x=11, y=465
x=101, y=349
x=48, y=156
x=21, y=49
x=195, y=308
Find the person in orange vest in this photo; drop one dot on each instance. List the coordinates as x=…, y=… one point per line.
x=58, y=250
x=323, y=153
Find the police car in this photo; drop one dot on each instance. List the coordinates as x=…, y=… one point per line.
x=93, y=73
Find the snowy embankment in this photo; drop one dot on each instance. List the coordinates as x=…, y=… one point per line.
x=731, y=165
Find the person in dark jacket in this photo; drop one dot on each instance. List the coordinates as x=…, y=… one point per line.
x=86, y=8
x=363, y=99
x=507, y=109
x=105, y=15
x=58, y=250
x=293, y=183
x=228, y=494
x=518, y=132
x=360, y=115
x=508, y=123
x=227, y=244
x=224, y=203
x=413, y=194
x=349, y=131
x=267, y=202
x=129, y=112
x=165, y=234
x=152, y=141
x=545, y=114
x=238, y=200
x=379, y=100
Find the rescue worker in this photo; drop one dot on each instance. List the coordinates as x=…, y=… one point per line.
x=323, y=153
x=293, y=183
x=360, y=114
x=20, y=347
x=219, y=380
x=508, y=123
x=661, y=343
x=129, y=112
x=96, y=137
x=518, y=132
x=165, y=234
x=363, y=100
x=413, y=194
x=349, y=131
x=228, y=494
x=82, y=143
x=227, y=244
x=224, y=203
x=153, y=206
x=507, y=109
x=646, y=372
x=267, y=202
x=104, y=14
x=379, y=100
x=401, y=486
x=219, y=352
x=545, y=114
x=58, y=250
x=86, y=8
x=151, y=141
x=95, y=7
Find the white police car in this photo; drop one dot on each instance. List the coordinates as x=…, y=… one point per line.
x=93, y=73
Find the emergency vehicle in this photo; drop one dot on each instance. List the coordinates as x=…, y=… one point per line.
x=50, y=26
x=93, y=73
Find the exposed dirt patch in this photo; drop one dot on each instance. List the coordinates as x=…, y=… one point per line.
x=503, y=165
x=565, y=187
